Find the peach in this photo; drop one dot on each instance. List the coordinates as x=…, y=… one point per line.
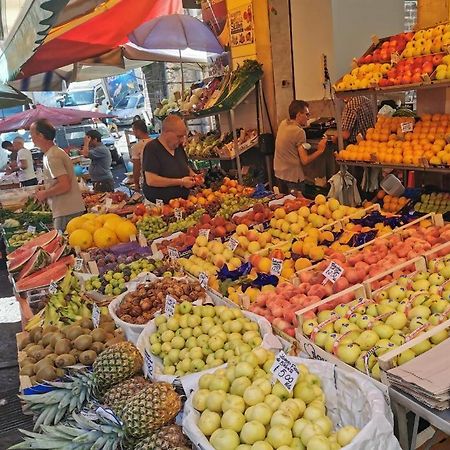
x=252, y=235
x=264, y=265
x=253, y=247
x=242, y=229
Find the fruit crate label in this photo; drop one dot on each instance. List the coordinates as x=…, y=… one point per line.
x=203, y=278
x=96, y=315
x=333, y=272
x=31, y=229
x=169, y=309
x=178, y=214
x=366, y=358
x=108, y=202
x=78, y=264
x=142, y=240
x=148, y=366
x=173, y=253
x=233, y=244
x=108, y=414
x=276, y=267
x=204, y=232
x=406, y=127
x=159, y=202
x=53, y=288
x=285, y=371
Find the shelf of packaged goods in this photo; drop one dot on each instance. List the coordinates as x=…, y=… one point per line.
x=225, y=158
x=395, y=166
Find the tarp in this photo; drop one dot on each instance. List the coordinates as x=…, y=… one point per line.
x=11, y=97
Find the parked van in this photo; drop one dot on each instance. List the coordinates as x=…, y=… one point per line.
x=86, y=95
x=131, y=106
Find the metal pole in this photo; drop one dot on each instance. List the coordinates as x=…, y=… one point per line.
x=236, y=146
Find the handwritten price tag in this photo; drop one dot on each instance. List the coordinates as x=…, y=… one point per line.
x=78, y=264
x=142, y=240
x=233, y=244
x=285, y=371
x=31, y=229
x=53, y=288
x=169, y=309
x=159, y=202
x=203, y=279
x=148, y=366
x=406, y=127
x=204, y=232
x=333, y=272
x=108, y=202
x=173, y=253
x=277, y=267
x=96, y=315
x=178, y=213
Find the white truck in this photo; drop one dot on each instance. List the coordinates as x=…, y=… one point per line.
x=86, y=95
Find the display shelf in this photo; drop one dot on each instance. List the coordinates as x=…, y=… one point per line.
x=225, y=158
x=394, y=166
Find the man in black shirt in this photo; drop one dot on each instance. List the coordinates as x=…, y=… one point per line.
x=167, y=174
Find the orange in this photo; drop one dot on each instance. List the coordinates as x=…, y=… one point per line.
x=81, y=238
x=103, y=238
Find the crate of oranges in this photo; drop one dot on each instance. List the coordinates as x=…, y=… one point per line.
x=391, y=203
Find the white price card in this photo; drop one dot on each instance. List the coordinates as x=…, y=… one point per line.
x=169, y=309
x=232, y=244
x=203, y=278
x=333, y=272
x=96, y=315
x=108, y=202
x=31, y=229
x=108, y=414
x=178, y=213
x=78, y=264
x=159, y=202
x=173, y=253
x=285, y=371
x=276, y=267
x=133, y=238
x=142, y=240
x=53, y=288
x=204, y=232
x=148, y=365
x=406, y=127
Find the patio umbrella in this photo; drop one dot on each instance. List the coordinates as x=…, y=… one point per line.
x=56, y=116
x=176, y=32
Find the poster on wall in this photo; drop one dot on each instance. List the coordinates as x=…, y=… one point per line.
x=214, y=14
x=241, y=26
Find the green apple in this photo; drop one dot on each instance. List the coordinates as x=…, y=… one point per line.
x=252, y=432
x=419, y=311
x=396, y=293
x=279, y=436
x=405, y=356
x=348, y=353
x=233, y=402
x=397, y=320
x=208, y=422
x=232, y=420
x=191, y=342
x=199, y=399
x=219, y=383
x=239, y=385
x=439, y=337
x=330, y=340
x=384, y=331
x=260, y=412
x=320, y=338
x=223, y=439
x=346, y=434
x=272, y=401
x=299, y=425
x=367, y=339
x=280, y=391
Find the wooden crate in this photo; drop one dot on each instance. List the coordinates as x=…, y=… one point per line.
x=437, y=252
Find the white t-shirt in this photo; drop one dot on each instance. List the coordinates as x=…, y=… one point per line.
x=26, y=174
x=137, y=150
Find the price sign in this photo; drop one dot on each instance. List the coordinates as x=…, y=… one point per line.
x=53, y=288
x=108, y=414
x=78, y=264
x=395, y=57
x=96, y=315
x=277, y=267
x=203, y=278
x=366, y=359
x=148, y=365
x=178, y=213
x=142, y=240
x=232, y=244
x=285, y=371
x=204, y=232
x=406, y=127
x=89, y=414
x=108, y=202
x=133, y=238
x=169, y=309
x=31, y=229
x=333, y=272
x=173, y=253
x=159, y=202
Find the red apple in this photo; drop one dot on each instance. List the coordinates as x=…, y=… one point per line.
x=437, y=59
x=427, y=67
x=368, y=59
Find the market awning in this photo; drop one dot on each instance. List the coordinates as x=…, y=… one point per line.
x=95, y=33
x=11, y=97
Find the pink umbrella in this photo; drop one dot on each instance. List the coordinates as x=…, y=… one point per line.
x=56, y=116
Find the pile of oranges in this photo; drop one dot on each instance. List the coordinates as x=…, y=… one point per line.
x=389, y=143
x=391, y=203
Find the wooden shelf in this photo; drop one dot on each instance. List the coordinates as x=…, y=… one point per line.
x=394, y=166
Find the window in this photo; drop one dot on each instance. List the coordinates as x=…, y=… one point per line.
x=78, y=98
x=100, y=95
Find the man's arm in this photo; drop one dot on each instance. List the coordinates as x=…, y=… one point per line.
x=137, y=167
x=308, y=159
x=154, y=180
x=61, y=186
x=85, y=148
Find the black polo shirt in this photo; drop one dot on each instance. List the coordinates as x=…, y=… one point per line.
x=158, y=160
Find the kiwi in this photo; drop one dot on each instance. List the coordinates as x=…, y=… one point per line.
x=88, y=357
x=52, y=356
x=46, y=373
x=42, y=363
x=73, y=332
x=108, y=326
x=27, y=347
x=86, y=323
x=98, y=347
x=98, y=335
x=65, y=360
x=113, y=341
x=118, y=332
x=33, y=380
x=27, y=370
x=75, y=353
x=63, y=346
x=49, y=329
x=24, y=362
x=23, y=340
x=60, y=372
x=55, y=338
x=47, y=339
x=41, y=354
x=36, y=334
x=83, y=342
x=34, y=349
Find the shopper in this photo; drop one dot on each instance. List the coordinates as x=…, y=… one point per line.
x=25, y=165
x=140, y=130
x=357, y=118
x=167, y=174
x=100, y=156
x=291, y=148
x=61, y=187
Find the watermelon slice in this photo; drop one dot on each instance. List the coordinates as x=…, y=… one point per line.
x=43, y=277
x=39, y=260
x=58, y=253
x=52, y=246
x=20, y=260
x=38, y=241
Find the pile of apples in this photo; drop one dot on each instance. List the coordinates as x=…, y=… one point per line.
x=241, y=409
x=426, y=42
x=197, y=338
x=398, y=313
x=383, y=52
x=443, y=69
x=363, y=77
x=257, y=215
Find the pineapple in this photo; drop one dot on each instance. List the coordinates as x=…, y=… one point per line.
x=115, y=364
x=169, y=437
x=143, y=414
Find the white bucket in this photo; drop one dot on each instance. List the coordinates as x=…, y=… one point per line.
x=392, y=185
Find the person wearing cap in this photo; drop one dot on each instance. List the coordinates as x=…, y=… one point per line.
x=100, y=156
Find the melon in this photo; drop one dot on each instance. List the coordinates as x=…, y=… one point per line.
x=38, y=241
x=58, y=252
x=20, y=260
x=52, y=246
x=39, y=260
x=54, y=272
